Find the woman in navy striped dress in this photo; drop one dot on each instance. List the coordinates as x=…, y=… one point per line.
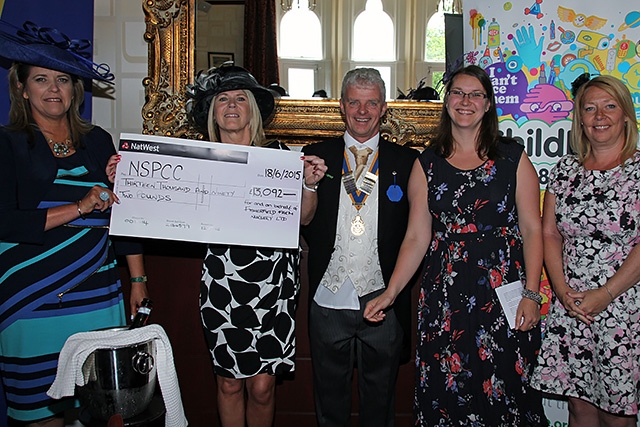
x=58, y=272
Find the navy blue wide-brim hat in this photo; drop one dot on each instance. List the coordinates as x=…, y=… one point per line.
x=49, y=48
x=227, y=77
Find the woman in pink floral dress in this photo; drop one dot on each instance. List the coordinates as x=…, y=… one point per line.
x=591, y=224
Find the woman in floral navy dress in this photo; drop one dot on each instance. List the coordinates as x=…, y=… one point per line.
x=475, y=213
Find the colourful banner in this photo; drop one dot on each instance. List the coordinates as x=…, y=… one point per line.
x=533, y=50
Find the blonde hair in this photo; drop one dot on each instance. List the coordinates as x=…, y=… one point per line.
x=20, y=117
x=255, y=123
x=615, y=88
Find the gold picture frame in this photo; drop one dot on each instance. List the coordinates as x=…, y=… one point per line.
x=170, y=32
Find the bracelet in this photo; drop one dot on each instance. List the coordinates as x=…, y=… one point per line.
x=139, y=279
x=532, y=295
x=312, y=189
x=79, y=211
x=608, y=291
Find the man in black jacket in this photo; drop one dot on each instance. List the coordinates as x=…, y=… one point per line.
x=354, y=232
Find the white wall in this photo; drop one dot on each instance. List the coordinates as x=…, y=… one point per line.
x=118, y=41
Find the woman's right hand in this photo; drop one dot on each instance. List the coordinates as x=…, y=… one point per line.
x=375, y=310
x=111, y=167
x=93, y=200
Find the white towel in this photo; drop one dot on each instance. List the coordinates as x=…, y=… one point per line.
x=79, y=346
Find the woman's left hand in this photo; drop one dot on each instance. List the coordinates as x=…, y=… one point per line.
x=314, y=170
x=139, y=291
x=527, y=315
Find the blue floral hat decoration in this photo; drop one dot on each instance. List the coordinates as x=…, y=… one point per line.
x=49, y=48
x=226, y=77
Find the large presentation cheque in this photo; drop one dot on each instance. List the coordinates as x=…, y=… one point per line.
x=181, y=189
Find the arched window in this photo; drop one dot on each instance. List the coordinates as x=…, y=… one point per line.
x=435, y=49
x=373, y=34
x=320, y=40
x=300, y=33
x=434, y=42
x=300, y=49
x=374, y=41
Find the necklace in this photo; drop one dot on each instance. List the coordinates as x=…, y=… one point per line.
x=60, y=149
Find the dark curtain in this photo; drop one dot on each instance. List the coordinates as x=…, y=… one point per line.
x=260, y=46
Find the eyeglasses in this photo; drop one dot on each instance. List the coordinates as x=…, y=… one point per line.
x=473, y=96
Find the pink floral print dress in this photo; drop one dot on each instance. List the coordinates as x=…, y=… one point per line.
x=598, y=216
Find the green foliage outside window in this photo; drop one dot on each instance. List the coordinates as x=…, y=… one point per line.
x=435, y=47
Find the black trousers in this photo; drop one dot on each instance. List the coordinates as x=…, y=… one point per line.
x=342, y=339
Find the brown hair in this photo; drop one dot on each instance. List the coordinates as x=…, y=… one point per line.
x=20, y=117
x=489, y=134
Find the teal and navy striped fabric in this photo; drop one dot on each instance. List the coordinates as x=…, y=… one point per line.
x=48, y=292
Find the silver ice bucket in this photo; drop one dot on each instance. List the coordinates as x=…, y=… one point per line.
x=120, y=380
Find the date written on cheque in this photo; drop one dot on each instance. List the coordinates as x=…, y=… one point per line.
x=282, y=174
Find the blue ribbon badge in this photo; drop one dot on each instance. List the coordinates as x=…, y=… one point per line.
x=394, y=192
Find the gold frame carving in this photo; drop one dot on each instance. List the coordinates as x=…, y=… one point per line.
x=170, y=26
x=298, y=122
x=169, y=32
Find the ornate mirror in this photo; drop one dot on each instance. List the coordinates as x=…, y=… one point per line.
x=170, y=26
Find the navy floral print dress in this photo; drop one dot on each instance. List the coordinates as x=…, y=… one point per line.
x=472, y=369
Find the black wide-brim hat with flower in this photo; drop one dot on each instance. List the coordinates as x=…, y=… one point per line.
x=227, y=77
x=49, y=48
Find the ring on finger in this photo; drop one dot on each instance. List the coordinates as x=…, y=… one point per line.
x=577, y=303
x=104, y=196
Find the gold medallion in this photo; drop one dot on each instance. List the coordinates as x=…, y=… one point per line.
x=357, y=226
